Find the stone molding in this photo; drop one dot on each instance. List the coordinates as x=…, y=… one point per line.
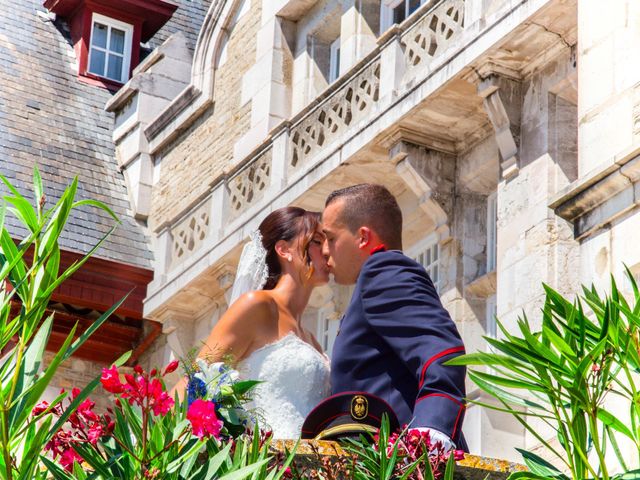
x=598, y=198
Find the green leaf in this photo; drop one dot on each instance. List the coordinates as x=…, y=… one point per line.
x=244, y=472
x=57, y=471
x=96, y=203
x=539, y=466
x=612, y=421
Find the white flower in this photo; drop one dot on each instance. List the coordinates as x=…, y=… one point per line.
x=216, y=376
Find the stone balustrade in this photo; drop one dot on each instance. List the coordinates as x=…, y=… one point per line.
x=295, y=146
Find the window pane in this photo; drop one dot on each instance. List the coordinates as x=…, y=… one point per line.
x=398, y=13
x=114, y=70
x=435, y=253
x=117, y=41
x=96, y=62
x=428, y=259
x=413, y=6
x=99, y=37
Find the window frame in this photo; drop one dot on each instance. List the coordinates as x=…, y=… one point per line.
x=127, y=49
x=492, y=232
x=334, y=60
x=386, y=12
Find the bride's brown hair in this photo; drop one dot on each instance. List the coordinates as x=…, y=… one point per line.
x=286, y=224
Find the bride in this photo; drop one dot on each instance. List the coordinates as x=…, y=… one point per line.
x=262, y=329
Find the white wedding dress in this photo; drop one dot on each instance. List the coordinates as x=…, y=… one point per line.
x=295, y=379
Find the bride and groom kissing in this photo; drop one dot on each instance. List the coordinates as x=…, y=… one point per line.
x=393, y=339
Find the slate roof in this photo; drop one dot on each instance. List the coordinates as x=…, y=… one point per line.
x=187, y=19
x=49, y=117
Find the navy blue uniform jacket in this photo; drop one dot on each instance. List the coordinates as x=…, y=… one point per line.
x=393, y=340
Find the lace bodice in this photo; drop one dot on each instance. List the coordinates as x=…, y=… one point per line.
x=296, y=379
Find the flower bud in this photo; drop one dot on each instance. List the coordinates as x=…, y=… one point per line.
x=172, y=367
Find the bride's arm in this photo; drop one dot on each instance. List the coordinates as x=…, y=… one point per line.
x=241, y=325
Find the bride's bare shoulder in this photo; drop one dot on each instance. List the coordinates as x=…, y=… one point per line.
x=258, y=305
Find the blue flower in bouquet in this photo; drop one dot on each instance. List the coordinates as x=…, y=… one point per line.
x=196, y=389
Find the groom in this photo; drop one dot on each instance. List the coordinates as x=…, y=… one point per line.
x=395, y=335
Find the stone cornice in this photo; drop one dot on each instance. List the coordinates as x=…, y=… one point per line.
x=602, y=195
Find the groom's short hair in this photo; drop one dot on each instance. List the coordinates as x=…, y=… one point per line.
x=371, y=205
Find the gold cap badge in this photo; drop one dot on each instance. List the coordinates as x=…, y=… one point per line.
x=359, y=407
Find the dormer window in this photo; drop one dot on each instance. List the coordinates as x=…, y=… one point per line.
x=110, y=48
x=106, y=34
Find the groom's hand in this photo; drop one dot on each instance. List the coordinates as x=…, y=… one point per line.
x=436, y=436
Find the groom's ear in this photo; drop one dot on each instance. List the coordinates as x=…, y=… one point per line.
x=364, y=237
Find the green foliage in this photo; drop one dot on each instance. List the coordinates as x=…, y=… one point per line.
x=184, y=458
x=584, y=352
x=398, y=457
x=29, y=274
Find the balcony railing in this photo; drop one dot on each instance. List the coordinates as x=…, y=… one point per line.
x=297, y=145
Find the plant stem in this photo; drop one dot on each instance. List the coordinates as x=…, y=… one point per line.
x=596, y=445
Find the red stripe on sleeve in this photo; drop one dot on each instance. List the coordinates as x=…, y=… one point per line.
x=444, y=353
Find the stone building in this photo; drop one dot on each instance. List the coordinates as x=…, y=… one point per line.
x=508, y=170
x=466, y=109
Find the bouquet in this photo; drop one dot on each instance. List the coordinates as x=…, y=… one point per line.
x=218, y=384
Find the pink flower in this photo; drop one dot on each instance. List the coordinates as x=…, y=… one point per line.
x=111, y=380
x=161, y=401
x=40, y=408
x=204, y=422
x=68, y=458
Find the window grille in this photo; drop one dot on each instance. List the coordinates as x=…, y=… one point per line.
x=429, y=258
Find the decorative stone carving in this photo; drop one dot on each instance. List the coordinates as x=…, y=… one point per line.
x=189, y=234
x=429, y=175
x=503, y=104
x=433, y=34
x=250, y=183
x=353, y=101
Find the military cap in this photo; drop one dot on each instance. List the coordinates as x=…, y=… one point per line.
x=347, y=414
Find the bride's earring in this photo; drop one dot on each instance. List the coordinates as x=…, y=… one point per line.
x=289, y=258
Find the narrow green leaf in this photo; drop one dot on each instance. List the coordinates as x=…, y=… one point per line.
x=613, y=422
x=539, y=466
x=96, y=203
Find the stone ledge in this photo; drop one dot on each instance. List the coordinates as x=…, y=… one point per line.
x=472, y=467
x=601, y=195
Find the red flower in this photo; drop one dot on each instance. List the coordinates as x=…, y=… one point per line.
x=161, y=401
x=40, y=408
x=111, y=380
x=204, y=422
x=68, y=458
x=172, y=367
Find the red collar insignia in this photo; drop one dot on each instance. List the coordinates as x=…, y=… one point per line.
x=380, y=248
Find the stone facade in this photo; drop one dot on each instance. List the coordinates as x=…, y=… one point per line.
x=509, y=173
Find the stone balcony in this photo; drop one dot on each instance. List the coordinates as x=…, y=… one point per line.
x=445, y=52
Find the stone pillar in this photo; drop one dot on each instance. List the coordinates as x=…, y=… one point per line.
x=267, y=84
x=359, y=29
